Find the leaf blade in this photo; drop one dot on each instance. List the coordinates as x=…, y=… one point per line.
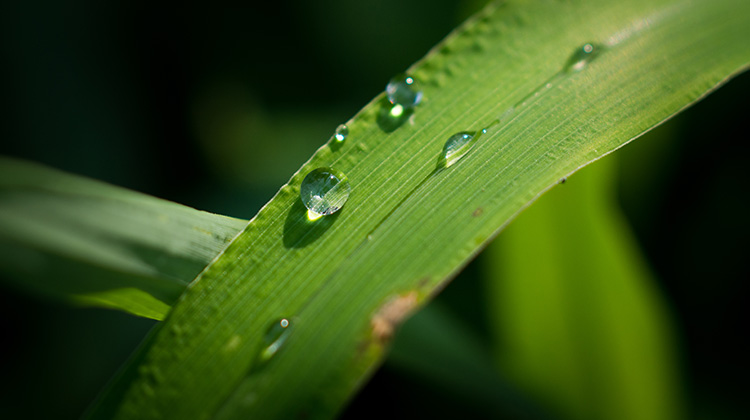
x=582, y=326
x=93, y=244
x=333, y=280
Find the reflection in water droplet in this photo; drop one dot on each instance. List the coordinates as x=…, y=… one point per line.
x=582, y=56
x=275, y=337
x=456, y=147
x=405, y=91
x=341, y=132
x=390, y=116
x=324, y=191
x=396, y=111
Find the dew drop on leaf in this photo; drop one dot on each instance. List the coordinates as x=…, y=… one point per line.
x=324, y=191
x=457, y=146
x=273, y=340
x=582, y=56
x=404, y=90
x=342, y=131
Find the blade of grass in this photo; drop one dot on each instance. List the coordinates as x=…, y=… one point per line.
x=93, y=244
x=346, y=280
x=577, y=320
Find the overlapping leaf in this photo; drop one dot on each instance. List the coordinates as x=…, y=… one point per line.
x=94, y=244
x=344, y=281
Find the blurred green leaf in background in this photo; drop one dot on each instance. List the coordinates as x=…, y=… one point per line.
x=567, y=315
x=577, y=318
x=99, y=245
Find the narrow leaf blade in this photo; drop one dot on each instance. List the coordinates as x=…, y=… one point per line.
x=577, y=318
x=345, y=281
x=93, y=244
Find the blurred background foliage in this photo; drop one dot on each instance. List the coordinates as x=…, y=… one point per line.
x=215, y=105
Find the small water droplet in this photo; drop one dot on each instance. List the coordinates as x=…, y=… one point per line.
x=457, y=146
x=405, y=91
x=324, y=191
x=275, y=337
x=582, y=56
x=341, y=132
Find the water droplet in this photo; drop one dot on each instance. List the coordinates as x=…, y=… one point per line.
x=324, y=191
x=341, y=132
x=275, y=337
x=405, y=91
x=457, y=146
x=582, y=56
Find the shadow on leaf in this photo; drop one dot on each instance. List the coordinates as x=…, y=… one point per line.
x=300, y=231
x=391, y=117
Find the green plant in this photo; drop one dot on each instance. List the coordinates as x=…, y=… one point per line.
x=553, y=95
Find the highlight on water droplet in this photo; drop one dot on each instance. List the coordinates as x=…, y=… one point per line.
x=342, y=131
x=273, y=340
x=405, y=91
x=324, y=191
x=457, y=146
x=582, y=56
x=396, y=111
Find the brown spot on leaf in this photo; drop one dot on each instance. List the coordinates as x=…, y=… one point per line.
x=391, y=314
x=478, y=212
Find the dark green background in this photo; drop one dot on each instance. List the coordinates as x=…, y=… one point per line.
x=215, y=105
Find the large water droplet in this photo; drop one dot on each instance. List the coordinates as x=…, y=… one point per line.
x=457, y=146
x=275, y=337
x=404, y=90
x=341, y=132
x=582, y=56
x=324, y=191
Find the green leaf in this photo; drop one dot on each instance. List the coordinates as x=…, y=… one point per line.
x=94, y=244
x=578, y=321
x=345, y=281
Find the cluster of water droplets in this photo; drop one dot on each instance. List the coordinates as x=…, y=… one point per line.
x=325, y=190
